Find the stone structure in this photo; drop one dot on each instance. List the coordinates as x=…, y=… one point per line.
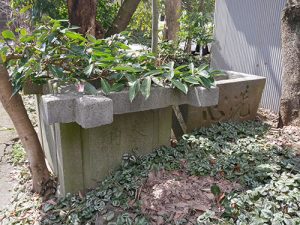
x=239, y=98
x=84, y=137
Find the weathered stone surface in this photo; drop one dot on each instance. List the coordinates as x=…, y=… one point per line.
x=93, y=111
x=239, y=98
x=163, y=97
x=81, y=157
x=88, y=111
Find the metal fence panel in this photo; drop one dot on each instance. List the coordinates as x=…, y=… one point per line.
x=248, y=39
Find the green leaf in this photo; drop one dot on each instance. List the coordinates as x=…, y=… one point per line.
x=133, y=89
x=100, y=54
x=203, y=67
x=192, y=68
x=88, y=70
x=181, y=86
x=105, y=86
x=146, y=87
x=75, y=36
x=157, y=81
x=126, y=69
x=56, y=71
x=215, y=190
x=205, y=82
x=171, y=72
x=180, y=67
x=23, y=32
x=191, y=80
x=123, y=46
x=25, y=9
x=91, y=38
x=153, y=73
x=117, y=87
x=90, y=89
x=7, y=34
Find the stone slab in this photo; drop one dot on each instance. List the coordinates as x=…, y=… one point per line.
x=92, y=111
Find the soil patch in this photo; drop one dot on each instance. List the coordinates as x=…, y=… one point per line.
x=169, y=196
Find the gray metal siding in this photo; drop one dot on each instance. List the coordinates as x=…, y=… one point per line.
x=247, y=39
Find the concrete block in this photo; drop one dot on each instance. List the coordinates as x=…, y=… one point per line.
x=94, y=111
x=59, y=108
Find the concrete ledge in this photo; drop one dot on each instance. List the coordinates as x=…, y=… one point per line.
x=92, y=111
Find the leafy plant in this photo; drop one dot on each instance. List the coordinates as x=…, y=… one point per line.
x=197, y=27
x=56, y=52
x=269, y=174
x=18, y=155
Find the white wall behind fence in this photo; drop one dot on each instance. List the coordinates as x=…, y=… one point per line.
x=248, y=39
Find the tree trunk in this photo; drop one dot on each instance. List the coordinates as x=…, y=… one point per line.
x=14, y=106
x=202, y=6
x=82, y=13
x=188, y=45
x=155, y=15
x=173, y=12
x=290, y=100
x=123, y=18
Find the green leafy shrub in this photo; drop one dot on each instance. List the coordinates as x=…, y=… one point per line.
x=56, y=52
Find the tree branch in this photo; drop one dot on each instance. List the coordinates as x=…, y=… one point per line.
x=123, y=18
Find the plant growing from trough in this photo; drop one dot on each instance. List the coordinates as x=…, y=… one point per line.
x=55, y=52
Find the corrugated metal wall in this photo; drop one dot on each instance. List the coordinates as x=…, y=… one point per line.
x=247, y=39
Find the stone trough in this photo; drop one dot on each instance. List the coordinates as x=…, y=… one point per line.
x=84, y=137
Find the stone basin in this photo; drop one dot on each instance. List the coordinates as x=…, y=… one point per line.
x=85, y=136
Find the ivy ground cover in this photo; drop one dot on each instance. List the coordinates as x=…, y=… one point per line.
x=227, y=174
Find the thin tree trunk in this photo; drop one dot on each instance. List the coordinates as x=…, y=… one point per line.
x=82, y=13
x=155, y=15
x=202, y=6
x=290, y=100
x=173, y=12
x=14, y=106
x=123, y=18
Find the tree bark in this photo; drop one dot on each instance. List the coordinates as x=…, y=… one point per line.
x=173, y=12
x=202, y=6
x=123, y=18
x=13, y=104
x=155, y=15
x=290, y=100
x=82, y=13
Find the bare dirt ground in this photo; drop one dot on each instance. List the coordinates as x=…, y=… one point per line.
x=7, y=137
